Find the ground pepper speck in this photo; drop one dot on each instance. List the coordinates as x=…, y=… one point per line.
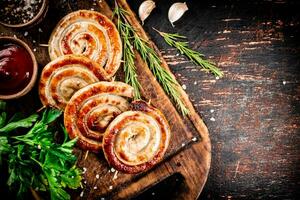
x=19, y=11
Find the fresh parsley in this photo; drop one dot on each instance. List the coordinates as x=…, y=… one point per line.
x=34, y=159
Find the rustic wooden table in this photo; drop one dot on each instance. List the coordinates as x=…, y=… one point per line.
x=253, y=113
x=189, y=154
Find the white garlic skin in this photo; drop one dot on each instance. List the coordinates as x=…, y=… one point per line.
x=176, y=11
x=145, y=9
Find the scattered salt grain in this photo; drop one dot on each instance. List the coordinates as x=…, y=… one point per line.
x=217, y=77
x=226, y=31
x=95, y=187
x=110, y=187
x=283, y=82
x=184, y=87
x=115, y=175
x=40, y=30
x=194, y=139
x=92, y=9
x=212, y=110
x=97, y=176
x=153, y=193
x=182, y=144
x=81, y=194
x=34, y=49
x=26, y=33
x=212, y=119
x=112, y=170
x=195, y=83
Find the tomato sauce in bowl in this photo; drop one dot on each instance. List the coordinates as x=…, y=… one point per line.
x=18, y=68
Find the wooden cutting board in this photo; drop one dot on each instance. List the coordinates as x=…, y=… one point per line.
x=189, y=152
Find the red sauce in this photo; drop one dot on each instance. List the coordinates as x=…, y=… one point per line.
x=16, y=68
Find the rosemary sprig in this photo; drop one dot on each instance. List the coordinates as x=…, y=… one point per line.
x=128, y=54
x=167, y=81
x=175, y=40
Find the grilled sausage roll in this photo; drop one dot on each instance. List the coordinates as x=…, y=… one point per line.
x=62, y=77
x=88, y=33
x=136, y=140
x=92, y=108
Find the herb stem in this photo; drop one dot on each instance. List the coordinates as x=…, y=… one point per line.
x=176, y=40
x=40, y=164
x=132, y=40
x=128, y=54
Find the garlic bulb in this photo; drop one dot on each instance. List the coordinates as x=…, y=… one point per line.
x=176, y=11
x=145, y=9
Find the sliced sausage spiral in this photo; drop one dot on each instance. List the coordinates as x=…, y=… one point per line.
x=137, y=139
x=92, y=108
x=88, y=33
x=62, y=77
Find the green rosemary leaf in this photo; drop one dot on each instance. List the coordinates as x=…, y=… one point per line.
x=132, y=40
x=175, y=40
x=128, y=54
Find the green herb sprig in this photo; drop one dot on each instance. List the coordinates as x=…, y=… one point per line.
x=128, y=54
x=34, y=159
x=167, y=81
x=175, y=40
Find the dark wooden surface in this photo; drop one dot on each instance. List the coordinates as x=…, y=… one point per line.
x=189, y=152
x=256, y=135
x=252, y=113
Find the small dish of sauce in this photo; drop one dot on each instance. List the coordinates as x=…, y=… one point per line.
x=18, y=68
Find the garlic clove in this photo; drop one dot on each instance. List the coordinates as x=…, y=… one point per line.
x=176, y=11
x=145, y=9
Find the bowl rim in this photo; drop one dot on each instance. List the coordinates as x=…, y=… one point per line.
x=31, y=83
x=30, y=22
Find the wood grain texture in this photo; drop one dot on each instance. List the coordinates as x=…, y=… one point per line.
x=253, y=112
x=189, y=150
